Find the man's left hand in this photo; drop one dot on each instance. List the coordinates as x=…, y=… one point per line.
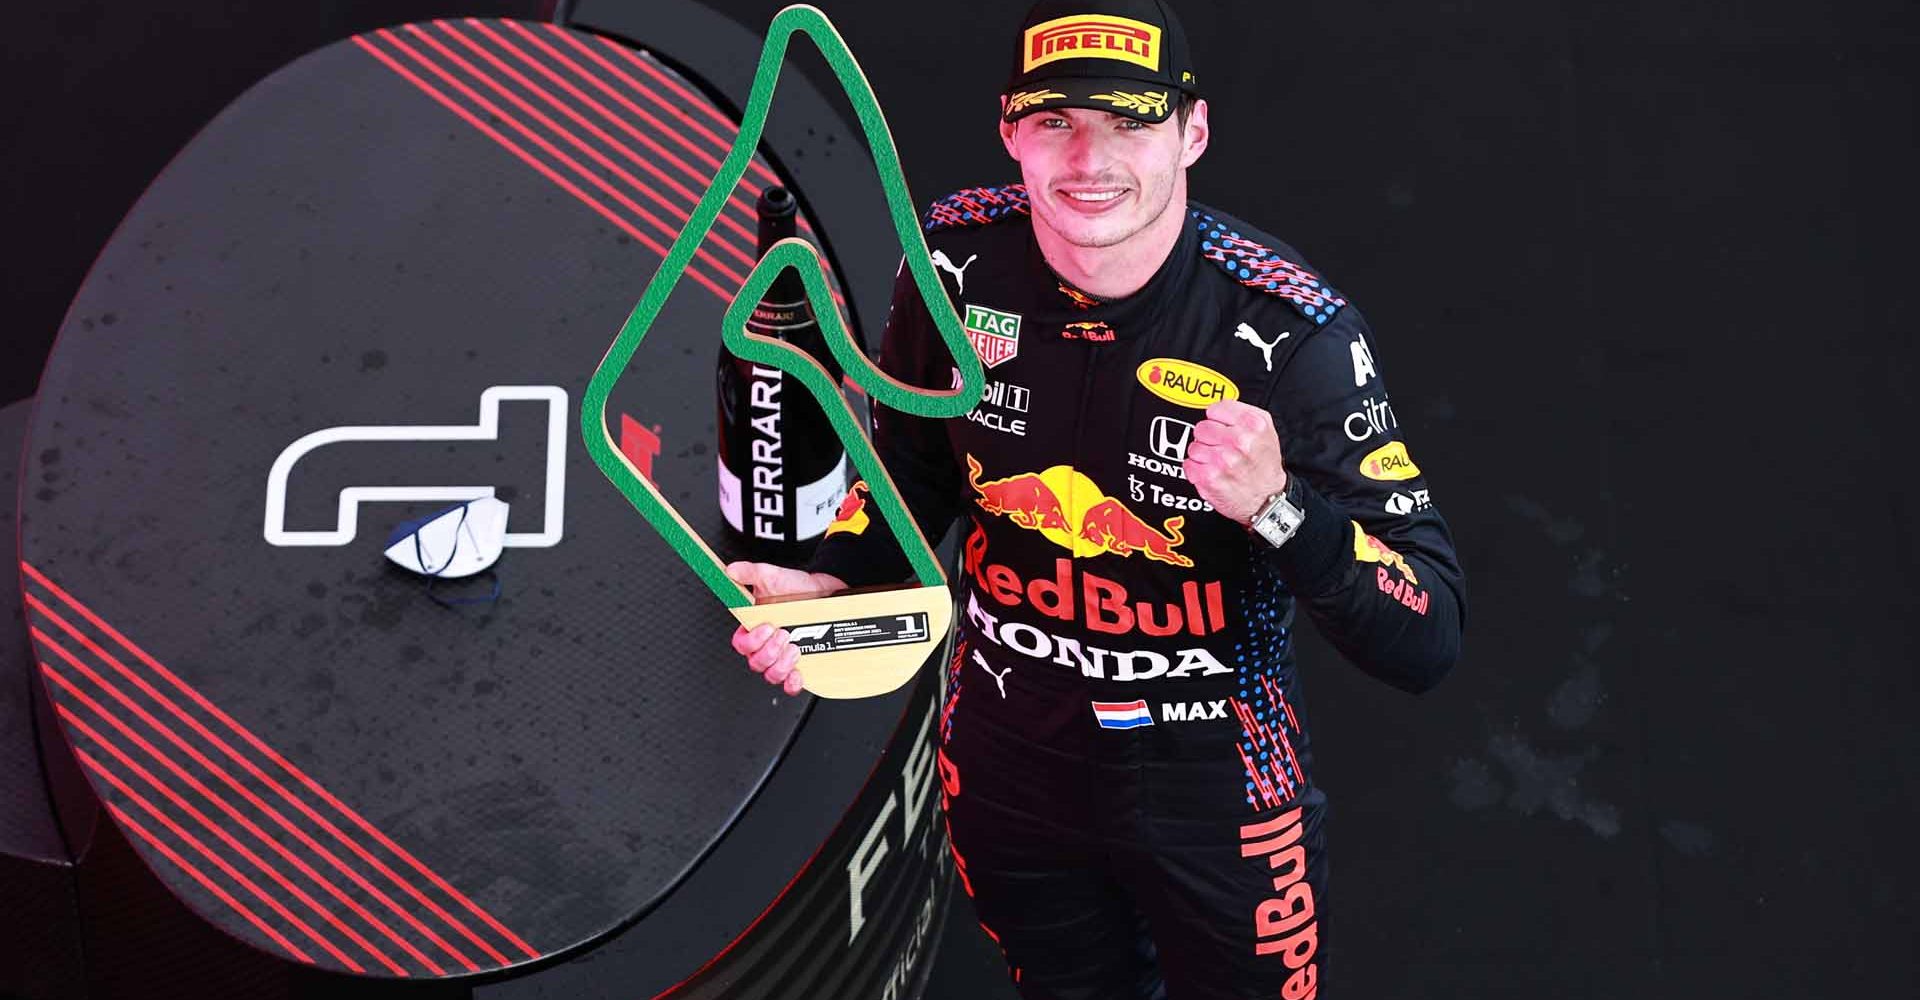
x=1234, y=461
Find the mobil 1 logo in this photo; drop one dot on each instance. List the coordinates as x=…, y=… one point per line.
x=1003, y=406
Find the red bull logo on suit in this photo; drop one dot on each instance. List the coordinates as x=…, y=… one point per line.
x=852, y=516
x=1406, y=587
x=1367, y=548
x=1093, y=601
x=1073, y=513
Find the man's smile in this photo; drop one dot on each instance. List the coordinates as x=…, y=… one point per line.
x=1092, y=200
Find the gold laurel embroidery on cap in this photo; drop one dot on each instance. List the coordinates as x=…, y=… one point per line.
x=1028, y=98
x=1153, y=102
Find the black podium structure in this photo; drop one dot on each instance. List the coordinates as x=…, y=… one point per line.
x=376, y=284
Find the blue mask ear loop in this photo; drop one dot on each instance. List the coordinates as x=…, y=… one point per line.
x=419, y=555
x=419, y=551
x=449, y=602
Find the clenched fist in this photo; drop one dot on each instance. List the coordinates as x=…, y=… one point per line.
x=1233, y=460
x=767, y=649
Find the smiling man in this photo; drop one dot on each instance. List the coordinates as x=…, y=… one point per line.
x=1185, y=436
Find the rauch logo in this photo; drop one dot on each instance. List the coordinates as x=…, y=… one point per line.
x=1186, y=383
x=1389, y=463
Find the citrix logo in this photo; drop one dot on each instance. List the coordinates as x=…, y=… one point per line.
x=1375, y=416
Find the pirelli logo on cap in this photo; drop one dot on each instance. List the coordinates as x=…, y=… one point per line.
x=1091, y=36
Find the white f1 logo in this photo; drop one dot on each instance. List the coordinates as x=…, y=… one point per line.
x=347, y=521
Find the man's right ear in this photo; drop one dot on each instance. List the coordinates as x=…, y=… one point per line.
x=1007, y=129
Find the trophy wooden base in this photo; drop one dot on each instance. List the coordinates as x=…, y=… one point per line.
x=859, y=644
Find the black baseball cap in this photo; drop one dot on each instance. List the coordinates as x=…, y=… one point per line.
x=1125, y=56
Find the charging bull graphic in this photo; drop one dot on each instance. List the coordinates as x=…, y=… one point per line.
x=1369, y=549
x=1110, y=525
x=1025, y=498
x=1071, y=511
x=1406, y=587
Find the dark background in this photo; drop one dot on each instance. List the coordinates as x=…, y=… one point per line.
x=1640, y=277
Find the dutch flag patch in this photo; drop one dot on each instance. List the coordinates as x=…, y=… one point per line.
x=1122, y=714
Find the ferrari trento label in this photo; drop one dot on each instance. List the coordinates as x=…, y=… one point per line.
x=1091, y=36
x=859, y=633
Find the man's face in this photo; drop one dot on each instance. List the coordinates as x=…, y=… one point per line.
x=1096, y=178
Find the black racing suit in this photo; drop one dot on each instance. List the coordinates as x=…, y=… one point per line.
x=1128, y=777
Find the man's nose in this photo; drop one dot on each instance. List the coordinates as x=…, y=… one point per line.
x=1086, y=151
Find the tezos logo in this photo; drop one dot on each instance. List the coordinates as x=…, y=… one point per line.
x=1185, y=383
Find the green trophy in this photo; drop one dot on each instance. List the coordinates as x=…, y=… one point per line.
x=872, y=641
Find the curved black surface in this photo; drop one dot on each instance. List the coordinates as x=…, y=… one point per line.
x=771, y=915
x=723, y=933
x=338, y=248
x=40, y=953
x=29, y=830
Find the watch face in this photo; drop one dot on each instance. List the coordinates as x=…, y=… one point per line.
x=1279, y=520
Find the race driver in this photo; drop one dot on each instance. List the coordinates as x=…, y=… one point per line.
x=1185, y=434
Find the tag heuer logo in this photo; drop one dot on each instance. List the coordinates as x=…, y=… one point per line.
x=995, y=335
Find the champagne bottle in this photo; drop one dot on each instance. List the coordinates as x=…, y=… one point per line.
x=782, y=471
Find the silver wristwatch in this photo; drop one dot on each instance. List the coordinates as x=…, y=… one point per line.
x=1279, y=517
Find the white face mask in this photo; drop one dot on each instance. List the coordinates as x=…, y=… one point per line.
x=456, y=542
